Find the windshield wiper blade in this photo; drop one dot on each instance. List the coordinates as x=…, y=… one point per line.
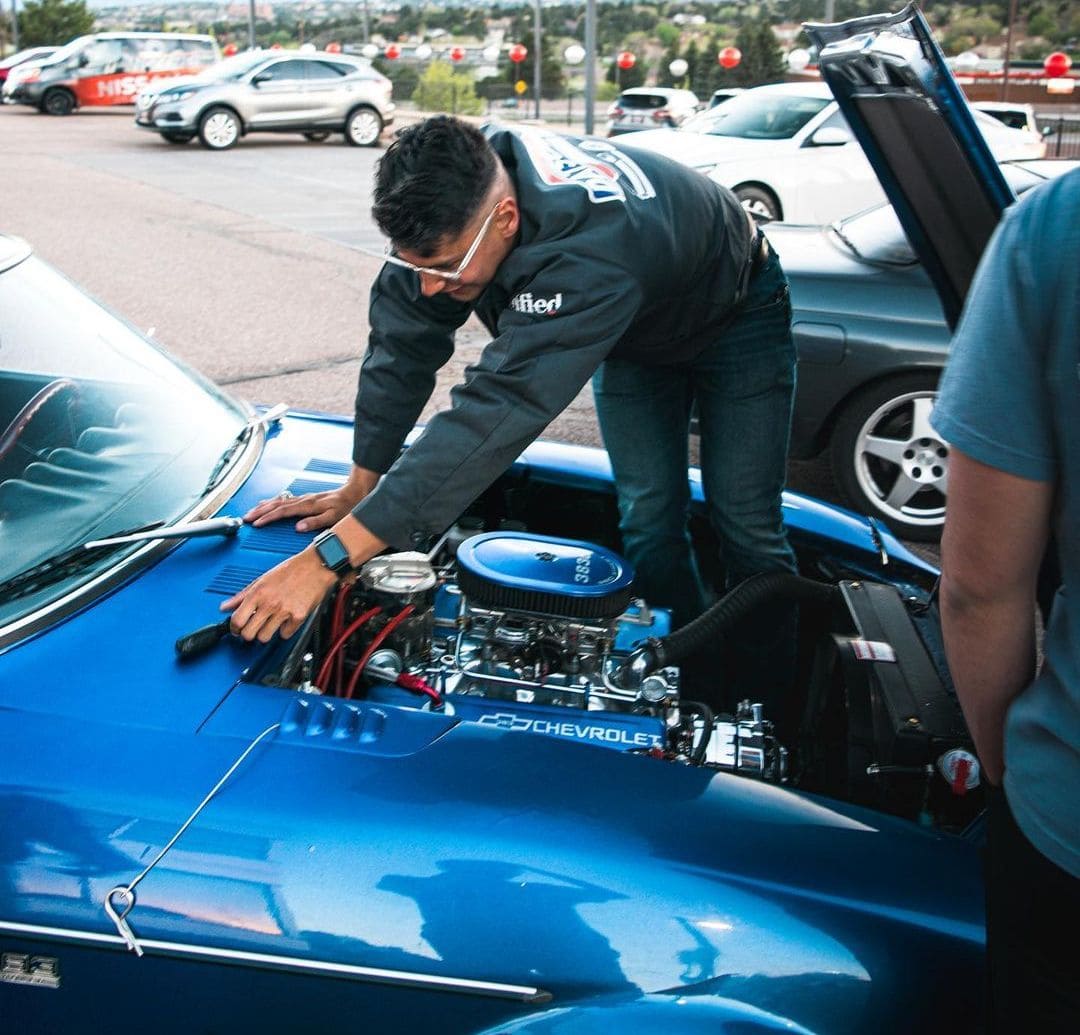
x=59, y=565
x=835, y=228
x=68, y=562
x=271, y=416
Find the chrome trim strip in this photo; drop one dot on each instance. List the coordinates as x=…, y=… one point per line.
x=89, y=591
x=522, y=993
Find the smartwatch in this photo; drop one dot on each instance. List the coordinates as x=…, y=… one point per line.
x=332, y=552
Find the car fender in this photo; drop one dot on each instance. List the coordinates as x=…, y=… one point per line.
x=648, y=1014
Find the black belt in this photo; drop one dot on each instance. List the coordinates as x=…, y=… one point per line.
x=759, y=252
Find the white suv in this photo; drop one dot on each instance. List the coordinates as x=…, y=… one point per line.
x=651, y=107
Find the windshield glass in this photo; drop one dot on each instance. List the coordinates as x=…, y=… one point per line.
x=99, y=430
x=67, y=51
x=757, y=116
x=876, y=235
x=231, y=68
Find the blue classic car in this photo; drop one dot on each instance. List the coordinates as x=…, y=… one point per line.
x=473, y=793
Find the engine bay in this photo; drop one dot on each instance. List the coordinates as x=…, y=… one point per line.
x=543, y=635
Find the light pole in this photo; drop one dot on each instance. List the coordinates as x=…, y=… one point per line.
x=590, y=64
x=536, y=61
x=251, y=24
x=573, y=55
x=14, y=26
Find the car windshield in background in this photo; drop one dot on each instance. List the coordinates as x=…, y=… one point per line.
x=755, y=116
x=99, y=431
x=642, y=100
x=875, y=235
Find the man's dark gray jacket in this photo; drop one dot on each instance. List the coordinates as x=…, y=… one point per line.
x=621, y=253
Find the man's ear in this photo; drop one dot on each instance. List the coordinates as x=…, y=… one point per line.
x=508, y=219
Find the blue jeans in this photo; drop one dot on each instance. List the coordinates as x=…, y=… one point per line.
x=743, y=385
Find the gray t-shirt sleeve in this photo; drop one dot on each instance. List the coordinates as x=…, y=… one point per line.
x=992, y=401
x=544, y=353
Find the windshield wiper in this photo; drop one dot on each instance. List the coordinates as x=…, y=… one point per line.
x=271, y=416
x=71, y=561
x=835, y=228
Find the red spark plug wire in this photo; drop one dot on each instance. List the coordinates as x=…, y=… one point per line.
x=417, y=685
x=339, y=644
x=381, y=635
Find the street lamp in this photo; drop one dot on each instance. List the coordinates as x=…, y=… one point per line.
x=573, y=55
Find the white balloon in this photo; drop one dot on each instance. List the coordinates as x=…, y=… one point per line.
x=307, y=48
x=968, y=60
x=369, y=50
x=491, y=54
x=423, y=52
x=798, y=59
x=678, y=68
x=574, y=54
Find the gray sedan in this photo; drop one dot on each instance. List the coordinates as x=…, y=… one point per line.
x=872, y=342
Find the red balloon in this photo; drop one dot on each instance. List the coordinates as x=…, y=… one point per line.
x=625, y=59
x=276, y=46
x=457, y=53
x=393, y=51
x=333, y=48
x=1057, y=64
x=729, y=57
x=229, y=49
x=518, y=53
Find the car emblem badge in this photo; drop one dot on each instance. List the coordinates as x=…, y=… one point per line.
x=20, y=968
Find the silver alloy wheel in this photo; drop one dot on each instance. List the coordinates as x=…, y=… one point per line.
x=364, y=127
x=899, y=458
x=221, y=130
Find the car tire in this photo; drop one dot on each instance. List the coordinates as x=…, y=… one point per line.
x=888, y=462
x=317, y=138
x=178, y=138
x=219, y=128
x=58, y=101
x=363, y=127
x=762, y=204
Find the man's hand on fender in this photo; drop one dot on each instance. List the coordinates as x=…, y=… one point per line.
x=315, y=509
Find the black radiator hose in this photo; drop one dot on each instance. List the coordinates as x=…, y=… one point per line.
x=730, y=608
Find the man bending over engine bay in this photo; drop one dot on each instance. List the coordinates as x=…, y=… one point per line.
x=582, y=260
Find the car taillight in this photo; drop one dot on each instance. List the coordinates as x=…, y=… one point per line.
x=661, y=114
x=615, y=112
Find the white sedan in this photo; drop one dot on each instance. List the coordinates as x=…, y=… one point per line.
x=789, y=154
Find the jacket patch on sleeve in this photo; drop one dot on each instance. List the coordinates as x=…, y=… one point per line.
x=561, y=163
x=525, y=303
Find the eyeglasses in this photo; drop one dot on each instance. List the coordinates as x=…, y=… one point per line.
x=388, y=256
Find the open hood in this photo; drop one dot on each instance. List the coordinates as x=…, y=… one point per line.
x=891, y=82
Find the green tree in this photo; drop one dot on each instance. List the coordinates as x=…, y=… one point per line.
x=442, y=89
x=44, y=23
x=762, y=59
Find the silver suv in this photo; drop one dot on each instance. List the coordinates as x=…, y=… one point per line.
x=650, y=107
x=312, y=93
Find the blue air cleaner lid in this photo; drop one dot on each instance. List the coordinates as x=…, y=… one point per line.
x=520, y=571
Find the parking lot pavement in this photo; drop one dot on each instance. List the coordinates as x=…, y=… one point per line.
x=244, y=262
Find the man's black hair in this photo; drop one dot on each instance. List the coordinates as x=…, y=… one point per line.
x=431, y=181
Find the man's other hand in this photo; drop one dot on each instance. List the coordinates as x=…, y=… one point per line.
x=315, y=509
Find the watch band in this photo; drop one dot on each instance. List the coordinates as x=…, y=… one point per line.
x=332, y=552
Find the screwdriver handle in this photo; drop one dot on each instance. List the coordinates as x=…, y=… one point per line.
x=202, y=640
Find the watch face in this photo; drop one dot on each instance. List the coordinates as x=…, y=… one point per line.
x=332, y=552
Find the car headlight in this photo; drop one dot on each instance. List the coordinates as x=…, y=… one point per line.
x=174, y=96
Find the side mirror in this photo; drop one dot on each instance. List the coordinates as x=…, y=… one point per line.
x=262, y=77
x=1048, y=131
x=84, y=60
x=831, y=136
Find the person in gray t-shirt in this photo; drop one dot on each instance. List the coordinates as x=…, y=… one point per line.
x=1010, y=407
